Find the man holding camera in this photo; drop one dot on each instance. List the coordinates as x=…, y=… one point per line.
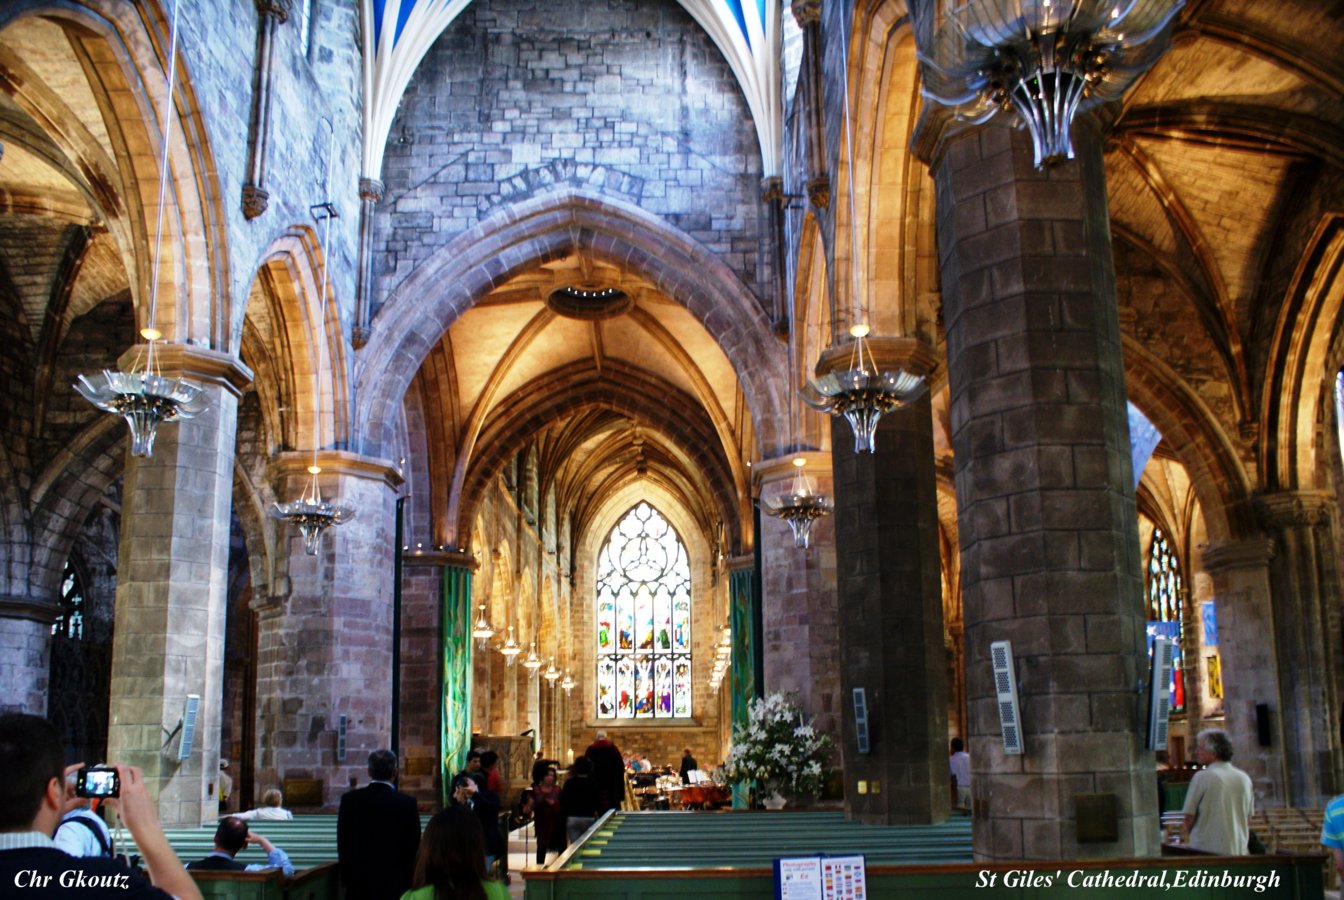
x=32, y=800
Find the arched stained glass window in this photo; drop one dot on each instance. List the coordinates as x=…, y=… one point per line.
x=1164, y=581
x=643, y=620
x=1165, y=615
x=70, y=624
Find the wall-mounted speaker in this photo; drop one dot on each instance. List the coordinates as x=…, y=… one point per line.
x=1005, y=690
x=1159, y=693
x=861, y=719
x=189, y=713
x=340, y=738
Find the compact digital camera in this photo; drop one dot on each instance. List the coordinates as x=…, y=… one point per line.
x=97, y=781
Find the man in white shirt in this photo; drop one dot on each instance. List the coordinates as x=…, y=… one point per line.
x=959, y=765
x=81, y=832
x=1219, y=803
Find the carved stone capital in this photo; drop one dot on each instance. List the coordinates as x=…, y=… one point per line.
x=780, y=469
x=908, y=353
x=1231, y=556
x=360, y=336
x=197, y=363
x=371, y=189
x=435, y=557
x=1294, y=509
x=255, y=201
x=276, y=9
x=772, y=189
x=806, y=12
x=819, y=191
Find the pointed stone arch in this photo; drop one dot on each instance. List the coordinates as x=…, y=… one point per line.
x=122, y=49
x=547, y=227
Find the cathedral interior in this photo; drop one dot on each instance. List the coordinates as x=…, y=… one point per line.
x=542, y=289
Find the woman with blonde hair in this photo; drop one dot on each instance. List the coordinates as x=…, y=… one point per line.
x=451, y=861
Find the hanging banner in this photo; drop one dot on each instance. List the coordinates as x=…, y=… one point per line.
x=455, y=739
x=744, y=680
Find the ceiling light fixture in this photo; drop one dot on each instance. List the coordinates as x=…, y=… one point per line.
x=145, y=397
x=310, y=513
x=1043, y=60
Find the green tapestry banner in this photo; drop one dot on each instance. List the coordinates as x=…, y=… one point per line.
x=745, y=681
x=455, y=740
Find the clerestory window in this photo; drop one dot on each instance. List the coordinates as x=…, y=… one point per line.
x=643, y=620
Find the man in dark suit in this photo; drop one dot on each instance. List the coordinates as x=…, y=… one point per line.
x=230, y=838
x=377, y=835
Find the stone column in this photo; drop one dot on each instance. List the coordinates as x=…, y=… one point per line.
x=772, y=195
x=25, y=654
x=172, y=567
x=327, y=651
x=891, y=606
x=270, y=15
x=1246, y=646
x=807, y=13
x=370, y=193
x=1045, y=497
x=1304, y=584
x=798, y=598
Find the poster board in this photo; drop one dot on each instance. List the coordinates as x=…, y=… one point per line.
x=821, y=878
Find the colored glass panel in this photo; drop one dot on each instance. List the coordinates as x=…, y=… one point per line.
x=644, y=591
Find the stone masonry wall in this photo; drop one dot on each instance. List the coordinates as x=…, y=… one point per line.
x=629, y=100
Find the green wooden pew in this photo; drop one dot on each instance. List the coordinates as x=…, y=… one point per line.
x=684, y=855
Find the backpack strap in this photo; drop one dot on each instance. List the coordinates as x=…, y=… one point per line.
x=97, y=833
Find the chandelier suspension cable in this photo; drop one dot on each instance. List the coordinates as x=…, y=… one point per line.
x=143, y=397
x=856, y=299
x=309, y=512
x=151, y=332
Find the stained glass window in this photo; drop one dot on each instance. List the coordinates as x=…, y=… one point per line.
x=643, y=620
x=1165, y=615
x=70, y=624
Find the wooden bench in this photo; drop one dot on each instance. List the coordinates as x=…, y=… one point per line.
x=316, y=883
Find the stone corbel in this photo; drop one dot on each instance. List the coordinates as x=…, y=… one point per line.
x=370, y=193
x=807, y=13
x=270, y=15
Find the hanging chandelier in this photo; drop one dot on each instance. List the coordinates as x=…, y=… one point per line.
x=510, y=648
x=482, y=631
x=800, y=506
x=551, y=673
x=863, y=394
x=146, y=398
x=1043, y=60
x=567, y=683
x=310, y=513
x=532, y=662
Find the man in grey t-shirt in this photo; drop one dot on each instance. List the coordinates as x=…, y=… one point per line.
x=1219, y=803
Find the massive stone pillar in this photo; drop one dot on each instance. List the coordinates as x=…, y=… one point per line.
x=1246, y=647
x=891, y=607
x=326, y=651
x=25, y=654
x=1304, y=580
x=172, y=567
x=798, y=599
x=1045, y=498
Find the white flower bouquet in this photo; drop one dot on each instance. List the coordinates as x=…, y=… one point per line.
x=778, y=749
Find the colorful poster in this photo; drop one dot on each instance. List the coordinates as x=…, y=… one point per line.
x=821, y=878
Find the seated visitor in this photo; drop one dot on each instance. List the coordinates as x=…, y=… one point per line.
x=270, y=808
x=230, y=838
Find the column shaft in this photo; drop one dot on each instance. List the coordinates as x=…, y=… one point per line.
x=1046, y=510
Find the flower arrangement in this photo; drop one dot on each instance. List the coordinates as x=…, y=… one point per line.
x=778, y=749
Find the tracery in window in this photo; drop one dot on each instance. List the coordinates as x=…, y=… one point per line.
x=70, y=624
x=1165, y=616
x=643, y=620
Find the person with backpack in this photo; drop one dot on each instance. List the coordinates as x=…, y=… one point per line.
x=81, y=832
